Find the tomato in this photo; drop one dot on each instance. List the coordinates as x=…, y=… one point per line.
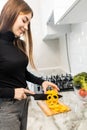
x=86, y=93
x=82, y=92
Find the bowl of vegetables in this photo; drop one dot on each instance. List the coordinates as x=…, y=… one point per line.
x=80, y=85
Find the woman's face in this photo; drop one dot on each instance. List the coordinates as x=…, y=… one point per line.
x=21, y=24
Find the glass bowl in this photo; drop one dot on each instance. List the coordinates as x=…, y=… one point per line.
x=81, y=93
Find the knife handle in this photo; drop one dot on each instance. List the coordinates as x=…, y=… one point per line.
x=29, y=94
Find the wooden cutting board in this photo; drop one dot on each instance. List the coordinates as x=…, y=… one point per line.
x=47, y=110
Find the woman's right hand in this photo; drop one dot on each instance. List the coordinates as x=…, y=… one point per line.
x=20, y=93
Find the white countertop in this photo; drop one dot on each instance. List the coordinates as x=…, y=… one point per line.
x=76, y=119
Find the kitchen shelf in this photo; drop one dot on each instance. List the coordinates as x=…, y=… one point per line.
x=51, y=37
x=55, y=31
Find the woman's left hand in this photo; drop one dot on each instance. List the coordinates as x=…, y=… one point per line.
x=45, y=84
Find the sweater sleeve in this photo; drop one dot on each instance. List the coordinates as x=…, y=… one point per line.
x=33, y=79
x=6, y=93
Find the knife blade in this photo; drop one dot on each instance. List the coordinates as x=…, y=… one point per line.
x=41, y=96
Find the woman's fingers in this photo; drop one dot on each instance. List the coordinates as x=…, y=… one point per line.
x=28, y=91
x=45, y=84
x=21, y=93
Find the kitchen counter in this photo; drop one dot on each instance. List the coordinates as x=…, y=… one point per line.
x=76, y=119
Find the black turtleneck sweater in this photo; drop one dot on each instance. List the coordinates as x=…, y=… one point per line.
x=13, y=64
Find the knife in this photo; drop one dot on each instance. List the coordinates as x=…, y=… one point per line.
x=41, y=96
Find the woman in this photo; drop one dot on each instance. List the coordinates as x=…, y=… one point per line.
x=15, y=21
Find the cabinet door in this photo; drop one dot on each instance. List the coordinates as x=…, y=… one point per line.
x=62, y=7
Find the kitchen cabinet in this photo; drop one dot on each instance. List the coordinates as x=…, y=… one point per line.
x=58, y=12
x=54, y=31
x=71, y=11
x=62, y=8
x=65, y=13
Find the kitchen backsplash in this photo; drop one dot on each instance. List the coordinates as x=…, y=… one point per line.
x=77, y=42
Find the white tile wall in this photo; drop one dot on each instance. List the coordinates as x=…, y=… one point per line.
x=78, y=47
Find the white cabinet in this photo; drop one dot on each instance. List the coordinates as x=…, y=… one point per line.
x=71, y=11
x=52, y=30
x=65, y=12
x=62, y=7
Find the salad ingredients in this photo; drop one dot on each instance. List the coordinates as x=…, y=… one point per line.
x=53, y=102
x=82, y=92
x=81, y=80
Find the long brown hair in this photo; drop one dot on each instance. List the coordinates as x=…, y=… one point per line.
x=8, y=16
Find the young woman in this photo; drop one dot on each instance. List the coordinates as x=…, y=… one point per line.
x=15, y=20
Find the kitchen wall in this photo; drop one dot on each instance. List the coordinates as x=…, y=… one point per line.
x=67, y=52
x=62, y=54
x=78, y=47
x=46, y=53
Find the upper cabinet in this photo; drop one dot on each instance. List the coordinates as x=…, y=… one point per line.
x=50, y=30
x=70, y=11
x=61, y=14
